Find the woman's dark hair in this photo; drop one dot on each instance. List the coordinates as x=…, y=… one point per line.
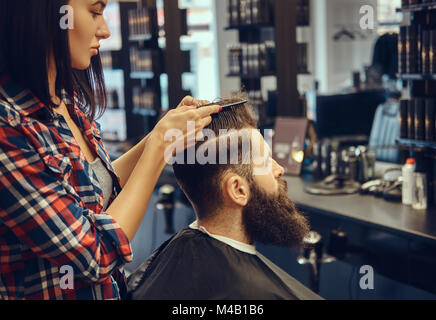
x=29, y=31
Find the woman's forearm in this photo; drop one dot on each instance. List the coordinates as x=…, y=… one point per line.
x=127, y=162
x=129, y=207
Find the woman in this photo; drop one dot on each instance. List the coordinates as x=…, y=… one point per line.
x=67, y=215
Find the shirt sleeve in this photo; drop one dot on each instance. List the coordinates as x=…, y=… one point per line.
x=36, y=207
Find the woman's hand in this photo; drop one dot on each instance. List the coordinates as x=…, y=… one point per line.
x=177, y=119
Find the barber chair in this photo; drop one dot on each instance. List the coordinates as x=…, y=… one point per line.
x=385, y=131
x=166, y=204
x=313, y=256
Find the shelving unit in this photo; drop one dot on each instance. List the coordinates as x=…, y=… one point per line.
x=139, y=123
x=280, y=27
x=140, y=32
x=416, y=66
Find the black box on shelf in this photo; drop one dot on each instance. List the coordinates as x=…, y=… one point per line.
x=186, y=61
x=430, y=134
x=420, y=119
x=411, y=49
x=404, y=106
x=425, y=52
x=184, y=18
x=432, y=51
x=402, y=50
x=411, y=120
x=303, y=13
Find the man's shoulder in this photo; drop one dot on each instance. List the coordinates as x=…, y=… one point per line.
x=178, y=269
x=189, y=241
x=189, y=234
x=181, y=247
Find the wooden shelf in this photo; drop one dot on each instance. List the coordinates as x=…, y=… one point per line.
x=417, y=76
x=141, y=37
x=144, y=112
x=251, y=77
x=416, y=143
x=418, y=7
x=249, y=27
x=256, y=27
x=142, y=75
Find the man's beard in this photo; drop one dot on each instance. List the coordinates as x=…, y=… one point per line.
x=274, y=219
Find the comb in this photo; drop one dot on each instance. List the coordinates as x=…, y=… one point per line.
x=229, y=105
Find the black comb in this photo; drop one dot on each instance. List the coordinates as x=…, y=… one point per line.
x=228, y=105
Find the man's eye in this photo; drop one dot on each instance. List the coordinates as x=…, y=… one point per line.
x=95, y=14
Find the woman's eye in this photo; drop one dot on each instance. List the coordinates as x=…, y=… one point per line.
x=95, y=14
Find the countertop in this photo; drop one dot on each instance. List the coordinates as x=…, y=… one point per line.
x=366, y=209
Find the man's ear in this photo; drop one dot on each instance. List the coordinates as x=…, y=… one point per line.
x=236, y=189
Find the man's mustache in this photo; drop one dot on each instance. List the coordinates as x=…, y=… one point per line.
x=283, y=185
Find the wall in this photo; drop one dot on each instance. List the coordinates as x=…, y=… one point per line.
x=336, y=60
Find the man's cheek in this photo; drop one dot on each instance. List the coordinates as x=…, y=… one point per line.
x=264, y=169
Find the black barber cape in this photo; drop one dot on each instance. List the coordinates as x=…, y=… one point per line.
x=194, y=266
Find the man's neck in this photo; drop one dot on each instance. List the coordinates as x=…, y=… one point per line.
x=226, y=227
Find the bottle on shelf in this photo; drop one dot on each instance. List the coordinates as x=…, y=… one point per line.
x=139, y=22
x=259, y=59
x=408, y=172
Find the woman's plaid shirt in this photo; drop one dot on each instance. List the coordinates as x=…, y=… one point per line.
x=51, y=206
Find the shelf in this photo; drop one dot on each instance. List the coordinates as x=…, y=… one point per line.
x=417, y=76
x=416, y=143
x=254, y=77
x=144, y=112
x=249, y=27
x=142, y=75
x=115, y=109
x=418, y=7
x=250, y=77
x=257, y=27
x=141, y=37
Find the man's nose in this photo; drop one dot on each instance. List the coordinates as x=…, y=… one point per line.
x=279, y=171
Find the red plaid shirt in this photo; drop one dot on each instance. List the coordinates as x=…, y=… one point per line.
x=51, y=206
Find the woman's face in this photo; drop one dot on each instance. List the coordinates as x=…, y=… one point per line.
x=89, y=28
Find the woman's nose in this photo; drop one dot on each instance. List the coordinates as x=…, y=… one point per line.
x=103, y=31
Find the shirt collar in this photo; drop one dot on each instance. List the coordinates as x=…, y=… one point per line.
x=247, y=248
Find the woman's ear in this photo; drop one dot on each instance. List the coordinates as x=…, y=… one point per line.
x=236, y=190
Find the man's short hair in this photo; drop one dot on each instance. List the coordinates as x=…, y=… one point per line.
x=201, y=183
